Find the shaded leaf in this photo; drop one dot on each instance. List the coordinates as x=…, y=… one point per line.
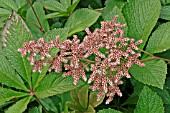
x=83, y=96
x=57, y=85
x=76, y=22
x=141, y=17
x=149, y=102
x=19, y=106
x=72, y=105
x=163, y=93
x=90, y=109
x=93, y=99
x=160, y=39
x=49, y=105
x=108, y=111
x=153, y=73
x=36, y=110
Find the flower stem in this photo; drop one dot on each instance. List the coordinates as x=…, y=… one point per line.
x=154, y=57
x=36, y=98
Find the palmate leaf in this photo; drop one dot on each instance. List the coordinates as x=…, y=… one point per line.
x=81, y=19
x=8, y=94
x=4, y=12
x=55, y=5
x=8, y=75
x=9, y=4
x=62, y=33
x=19, y=106
x=160, y=39
x=149, y=102
x=141, y=17
x=57, y=85
x=32, y=21
x=16, y=35
x=153, y=73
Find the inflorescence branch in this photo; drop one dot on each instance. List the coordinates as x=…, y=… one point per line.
x=106, y=70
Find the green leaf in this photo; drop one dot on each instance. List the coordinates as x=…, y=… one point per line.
x=19, y=106
x=138, y=86
x=16, y=35
x=4, y=12
x=160, y=39
x=110, y=4
x=163, y=93
x=165, y=12
x=57, y=85
x=62, y=33
x=20, y=3
x=165, y=54
x=78, y=23
x=73, y=105
x=90, y=109
x=141, y=17
x=83, y=96
x=9, y=4
x=35, y=110
x=93, y=99
x=149, y=102
x=153, y=73
x=32, y=21
x=55, y=6
x=49, y=105
x=55, y=15
x=8, y=75
x=71, y=8
x=116, y=11
x=8, y=94
x=108, y=111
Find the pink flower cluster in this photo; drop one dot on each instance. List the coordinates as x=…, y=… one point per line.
x=114, y=55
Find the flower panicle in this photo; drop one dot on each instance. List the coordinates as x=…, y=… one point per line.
x=109, y=66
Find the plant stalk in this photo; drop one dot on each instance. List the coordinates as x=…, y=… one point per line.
x=154, y=57
x=41, y=28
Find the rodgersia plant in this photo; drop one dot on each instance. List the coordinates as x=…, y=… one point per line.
x=62, y=72
x=108, y=66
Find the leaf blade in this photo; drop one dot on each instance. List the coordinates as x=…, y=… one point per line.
x=149, y=102
x=160, y=39
x=76, y=22
x=141, y=17
x=57, y=85
x=16, y=35
x=153, y=73
x=8, y=94
x=19, y=106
